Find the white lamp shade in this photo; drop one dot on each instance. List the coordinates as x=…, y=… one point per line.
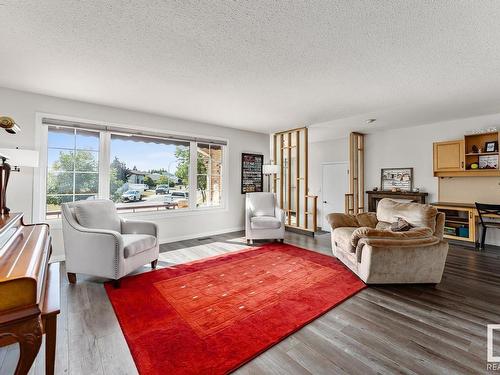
x=270, y=169
x=20, y=158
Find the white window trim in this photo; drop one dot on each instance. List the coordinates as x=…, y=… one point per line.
x=40, y=175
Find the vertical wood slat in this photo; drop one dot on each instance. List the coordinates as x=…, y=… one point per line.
x=306, y=177
x=297, y=178
x=356, y=174
x=351, y=164
x=361, y=173
x=315, y=213
x=289, y=178
x=275, y=159
x=282, y=177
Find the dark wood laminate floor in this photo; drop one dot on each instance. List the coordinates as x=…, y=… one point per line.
x=385, y=329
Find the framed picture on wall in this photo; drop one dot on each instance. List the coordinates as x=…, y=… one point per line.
x=396, y=178
x=252, y=180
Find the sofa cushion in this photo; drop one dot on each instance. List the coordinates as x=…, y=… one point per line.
x=137, y=243
x=97, y=214
x=367, y=219
x=382, y=225
x=265, y=222
x=418, y=215
x=413, y=234
x=342, y=238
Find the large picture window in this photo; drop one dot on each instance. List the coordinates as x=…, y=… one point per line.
x=148, y=172
x=138, y=172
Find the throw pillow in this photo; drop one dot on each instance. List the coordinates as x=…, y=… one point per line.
x=400, y=226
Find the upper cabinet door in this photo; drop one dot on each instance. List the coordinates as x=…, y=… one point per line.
x=449, y=156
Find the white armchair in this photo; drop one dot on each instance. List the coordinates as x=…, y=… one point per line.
x=264, y=219
x=98, y=242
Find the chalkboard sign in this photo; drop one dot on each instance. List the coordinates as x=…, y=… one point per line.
x=251, y=173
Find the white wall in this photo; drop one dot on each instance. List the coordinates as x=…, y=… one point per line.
x=22, y=107
x=412, y=147
x=323, y=152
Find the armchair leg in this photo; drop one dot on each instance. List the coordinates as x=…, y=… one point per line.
x=154, y=263
x=71, y=277
x=116, y=283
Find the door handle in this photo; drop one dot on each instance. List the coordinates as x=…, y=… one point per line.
x=325, y=202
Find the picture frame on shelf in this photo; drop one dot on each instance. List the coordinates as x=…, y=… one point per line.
x=488, y=162
x=491, y=146
x=396, y=178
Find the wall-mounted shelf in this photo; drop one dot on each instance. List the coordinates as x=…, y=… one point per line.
x=470, y=173
x=481, y=153
x=454, y=158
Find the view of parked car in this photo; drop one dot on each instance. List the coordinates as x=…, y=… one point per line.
x=175, y=196
x=162, y=189
x=139, y=187
x=131, y=196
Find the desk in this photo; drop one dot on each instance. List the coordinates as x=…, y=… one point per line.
x=462, y=215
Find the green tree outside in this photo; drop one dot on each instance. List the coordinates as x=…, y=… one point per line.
x=72, y=173
x=149, y=181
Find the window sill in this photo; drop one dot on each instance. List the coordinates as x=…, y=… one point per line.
x=154, y=215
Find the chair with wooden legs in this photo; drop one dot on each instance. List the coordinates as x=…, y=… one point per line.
x=486, y=211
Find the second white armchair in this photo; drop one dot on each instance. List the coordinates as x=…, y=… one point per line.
x=264, y=219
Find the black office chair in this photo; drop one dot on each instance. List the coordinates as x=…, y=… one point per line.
x=487, y=209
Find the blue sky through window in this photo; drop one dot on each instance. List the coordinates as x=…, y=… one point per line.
x=145, y=156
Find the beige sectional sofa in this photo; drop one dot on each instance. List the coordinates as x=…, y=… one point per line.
x=366, y=244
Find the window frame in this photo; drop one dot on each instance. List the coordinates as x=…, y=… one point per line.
x=209, y=174
x=40, y=175
x=74, y=172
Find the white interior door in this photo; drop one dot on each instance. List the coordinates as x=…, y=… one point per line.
x=335, y=183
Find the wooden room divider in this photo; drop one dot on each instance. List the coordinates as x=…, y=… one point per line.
x=290, y=150
x=355, y=199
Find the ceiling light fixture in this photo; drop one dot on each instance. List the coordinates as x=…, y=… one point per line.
x=371, y=120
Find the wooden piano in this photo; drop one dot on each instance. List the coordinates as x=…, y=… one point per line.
x=29, y=290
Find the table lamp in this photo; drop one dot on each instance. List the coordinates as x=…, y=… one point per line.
x=18, y=158
x=9, y=125
x=269, y=170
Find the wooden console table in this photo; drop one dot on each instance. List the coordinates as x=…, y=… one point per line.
x=375, y=196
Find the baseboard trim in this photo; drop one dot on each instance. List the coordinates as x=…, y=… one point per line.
x=199, y=235
x=60, y=257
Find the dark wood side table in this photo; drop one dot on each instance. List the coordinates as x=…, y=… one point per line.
x=375, y=196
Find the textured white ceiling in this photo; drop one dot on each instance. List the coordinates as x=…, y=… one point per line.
x=261, y=65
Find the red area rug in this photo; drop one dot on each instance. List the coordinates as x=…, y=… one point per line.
x=213, y=315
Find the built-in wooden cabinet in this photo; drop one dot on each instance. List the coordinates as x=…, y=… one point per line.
x=460, y=221
x=466, y=157
x=449, y=156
